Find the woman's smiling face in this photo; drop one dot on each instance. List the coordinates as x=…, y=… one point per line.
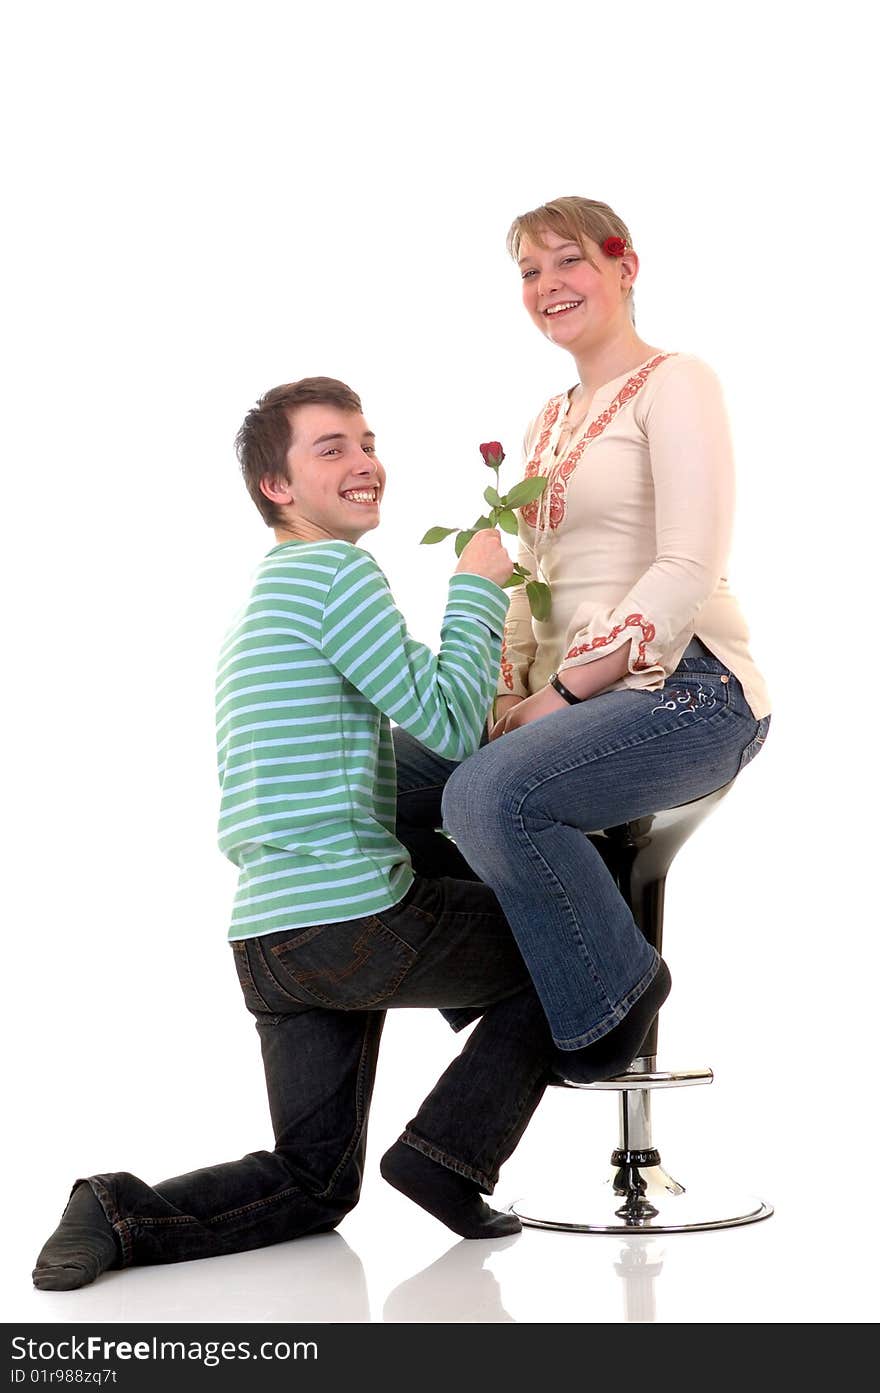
x=572, y=294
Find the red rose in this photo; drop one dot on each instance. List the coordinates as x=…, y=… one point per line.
x=492, y=454
x=614, y=246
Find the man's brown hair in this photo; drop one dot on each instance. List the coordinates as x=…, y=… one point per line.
x=266, y=433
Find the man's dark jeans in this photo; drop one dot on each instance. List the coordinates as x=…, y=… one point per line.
x=319, y=998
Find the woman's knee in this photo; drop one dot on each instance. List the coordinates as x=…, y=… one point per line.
x=474, y=802
x=490, y=800
x=455, y=796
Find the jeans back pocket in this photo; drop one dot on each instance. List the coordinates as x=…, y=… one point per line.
x=692, y=692
x=350, y=966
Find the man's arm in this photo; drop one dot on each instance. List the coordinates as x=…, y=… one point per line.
x=440, y=699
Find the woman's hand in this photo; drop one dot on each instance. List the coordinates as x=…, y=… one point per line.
x=532, y=708
x=505, y=703
x=502, y=707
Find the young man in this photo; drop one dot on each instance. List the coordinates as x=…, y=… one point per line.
x=330, y=925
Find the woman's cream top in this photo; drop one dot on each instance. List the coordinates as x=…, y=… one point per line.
x=632, y=533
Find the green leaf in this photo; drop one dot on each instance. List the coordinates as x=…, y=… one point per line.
x=525, y=492
x=522, y=571
x=492, y=497
x=507, y=521
x=539, y=599
x=435, y=534
x=482, y=523
x=514, y=580
x=462, y=540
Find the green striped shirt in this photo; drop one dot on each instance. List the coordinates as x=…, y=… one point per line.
x=314, y=666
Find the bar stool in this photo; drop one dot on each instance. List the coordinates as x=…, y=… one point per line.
x=639, y=1196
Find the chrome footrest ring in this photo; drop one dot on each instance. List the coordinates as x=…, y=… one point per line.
x=666, y=1078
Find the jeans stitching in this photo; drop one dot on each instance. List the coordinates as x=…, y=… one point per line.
x=576, y=1042
x=124, y=1227
x=372, y=1023
x=753, y=748
x=188, y=1220
x=703, y=699
x=443, y=1158
x=560, y=889
x=121, y=1226
x=503, y=1148
x=387, y=989
x=410, y=909
x=616, y=1013
x=258, y=948
x=183, y=1220
x=243, y=963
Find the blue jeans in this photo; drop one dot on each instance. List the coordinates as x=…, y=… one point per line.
x=518, y=810
x=319, y=997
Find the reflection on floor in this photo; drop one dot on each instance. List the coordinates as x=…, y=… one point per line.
x=458, y=1287
x=391, y=1262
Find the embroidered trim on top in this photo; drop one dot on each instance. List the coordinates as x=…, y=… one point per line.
x=529, y=511
x=506, y=665
x=562, y=470
x=632, y=621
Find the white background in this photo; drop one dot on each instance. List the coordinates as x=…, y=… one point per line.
x=206, y=200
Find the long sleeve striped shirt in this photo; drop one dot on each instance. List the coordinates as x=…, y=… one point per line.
x=314, y=669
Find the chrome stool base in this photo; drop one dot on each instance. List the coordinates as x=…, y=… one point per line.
x=639, y=1196
x=654, y=1204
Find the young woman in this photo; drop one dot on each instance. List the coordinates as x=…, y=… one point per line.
x=638, y=692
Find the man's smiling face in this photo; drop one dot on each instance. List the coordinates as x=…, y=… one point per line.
x=336, y=480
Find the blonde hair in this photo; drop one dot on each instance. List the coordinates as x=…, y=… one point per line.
x=577, y=220
x=574, y=218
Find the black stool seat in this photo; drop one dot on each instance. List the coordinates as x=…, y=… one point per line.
x=639, y=854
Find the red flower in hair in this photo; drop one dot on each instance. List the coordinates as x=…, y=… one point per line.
x=614, y=246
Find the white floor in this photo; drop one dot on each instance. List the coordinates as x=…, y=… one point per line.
x=812, y=1261
x=132, y=1053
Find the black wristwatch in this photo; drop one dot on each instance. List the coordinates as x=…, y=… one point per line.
x=563, y=691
